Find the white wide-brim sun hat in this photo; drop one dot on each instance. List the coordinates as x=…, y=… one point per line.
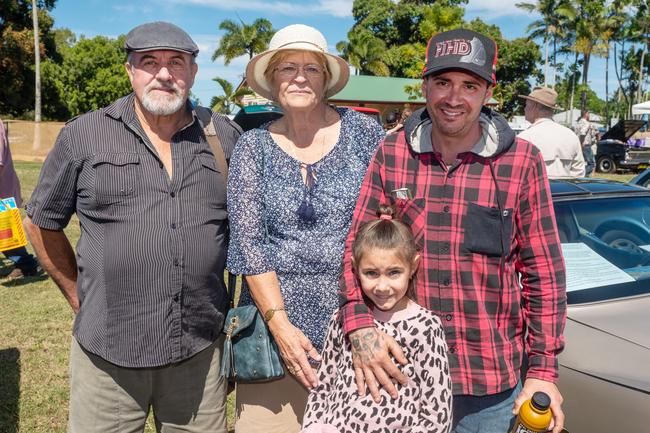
x=296, y=37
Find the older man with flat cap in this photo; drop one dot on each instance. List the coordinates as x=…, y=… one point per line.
x=559, y=145
x=146, y=179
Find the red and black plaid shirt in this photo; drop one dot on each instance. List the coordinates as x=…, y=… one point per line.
x=464, y=234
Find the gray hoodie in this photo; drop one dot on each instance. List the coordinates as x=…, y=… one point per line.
x=497, y=135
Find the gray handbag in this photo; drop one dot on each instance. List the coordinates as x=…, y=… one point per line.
x=250, y=353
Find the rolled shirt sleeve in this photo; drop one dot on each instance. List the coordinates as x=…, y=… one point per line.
x=541, y=265
x=354, y=313
x=54, y=200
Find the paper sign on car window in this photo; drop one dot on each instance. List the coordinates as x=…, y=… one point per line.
x=587, y=269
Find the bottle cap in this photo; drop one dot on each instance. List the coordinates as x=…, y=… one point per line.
x=541, y=401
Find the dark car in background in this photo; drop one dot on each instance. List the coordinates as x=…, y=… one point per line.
x=614, y=153
x=252, y=116
x=604, y=229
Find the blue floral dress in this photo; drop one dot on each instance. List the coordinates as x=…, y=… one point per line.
x=265, y=190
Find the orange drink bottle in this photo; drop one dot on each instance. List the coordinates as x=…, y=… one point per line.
x=534, y=415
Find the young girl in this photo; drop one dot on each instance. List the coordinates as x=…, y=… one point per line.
x=385, y=260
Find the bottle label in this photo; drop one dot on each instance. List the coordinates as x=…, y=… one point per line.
x=522, y=429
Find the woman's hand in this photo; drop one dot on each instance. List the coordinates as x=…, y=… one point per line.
x=295, y=348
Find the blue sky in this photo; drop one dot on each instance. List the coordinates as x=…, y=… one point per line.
x=201, y=18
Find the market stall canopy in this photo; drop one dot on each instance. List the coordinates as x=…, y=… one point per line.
x=642, y=108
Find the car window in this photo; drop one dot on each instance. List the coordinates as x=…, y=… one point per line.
x=643, y=179
x=605, y=241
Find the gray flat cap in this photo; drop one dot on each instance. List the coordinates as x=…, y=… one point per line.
x=160, y=35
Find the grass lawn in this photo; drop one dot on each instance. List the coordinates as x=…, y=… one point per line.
x=35, y=337
x=34, y=342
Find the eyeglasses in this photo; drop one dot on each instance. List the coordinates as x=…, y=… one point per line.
x=152, y=66
x=290, y=70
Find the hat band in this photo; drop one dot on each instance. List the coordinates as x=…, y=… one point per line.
x=300, y=42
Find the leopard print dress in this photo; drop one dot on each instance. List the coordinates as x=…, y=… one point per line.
x=423, y=405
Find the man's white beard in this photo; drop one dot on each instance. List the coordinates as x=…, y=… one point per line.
x=162, y=104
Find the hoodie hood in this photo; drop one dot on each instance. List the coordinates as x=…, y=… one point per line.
x=497, y=136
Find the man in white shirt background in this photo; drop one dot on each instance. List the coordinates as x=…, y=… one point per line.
x=559, y=145
x=588, y=137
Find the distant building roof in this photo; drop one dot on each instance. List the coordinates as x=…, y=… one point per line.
x=367, y=88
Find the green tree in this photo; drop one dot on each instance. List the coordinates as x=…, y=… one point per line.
x=225, y=103
x=243, y=39
x=395, y=22
x=365, y=52
x=90, y=76
x=53, y=104
x=588, y=27
x=517, y=63
x=640, y=33
x=17, y=51
x=551, y=27
x=406, y=41
x=563, y=88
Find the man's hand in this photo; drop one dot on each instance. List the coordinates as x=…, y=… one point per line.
x=372, y=364
x=531, y=386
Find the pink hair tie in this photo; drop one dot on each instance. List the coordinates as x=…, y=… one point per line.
x=385, y=217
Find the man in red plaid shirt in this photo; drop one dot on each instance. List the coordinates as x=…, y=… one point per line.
x=479, y=204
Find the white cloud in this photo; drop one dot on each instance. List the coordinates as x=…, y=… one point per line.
x=490, y=9
x=337, y=8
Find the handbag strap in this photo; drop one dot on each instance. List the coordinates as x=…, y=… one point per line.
x=205, y=118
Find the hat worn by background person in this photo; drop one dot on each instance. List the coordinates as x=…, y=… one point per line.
x=296, y=37
x=462, y=49
x=159, y=35
x=544, y=96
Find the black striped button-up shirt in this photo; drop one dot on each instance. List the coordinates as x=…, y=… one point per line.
x=152, y=249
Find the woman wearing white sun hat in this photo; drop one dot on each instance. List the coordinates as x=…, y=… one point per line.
x=292, y=189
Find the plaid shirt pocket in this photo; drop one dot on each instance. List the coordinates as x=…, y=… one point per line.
x=485, y=233
x=412, y=213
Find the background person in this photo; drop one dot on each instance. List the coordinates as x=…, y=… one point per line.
x=385, y=260
x=479, y=204
x=400, y=123
x=559, y=145
x=391, y=120
x=146, y=282
x=588, y=138
x=24, y=264
x=292, y=188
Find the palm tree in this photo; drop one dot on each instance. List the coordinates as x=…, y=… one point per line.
x=589, y=31
x=365, y=52
x=611, y=30
x=551, y=27
x=242, y=39
x=225, y=103
x=639, y=31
